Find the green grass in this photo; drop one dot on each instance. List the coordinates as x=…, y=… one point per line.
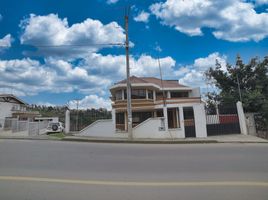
x=57, y=135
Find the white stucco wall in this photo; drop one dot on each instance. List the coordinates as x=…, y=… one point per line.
x=195, y=92
x=150, y=129
x=101, y=128
x=5, y=109
x=200, y=120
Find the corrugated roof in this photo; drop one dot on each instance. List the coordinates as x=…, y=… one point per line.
x=157, y=81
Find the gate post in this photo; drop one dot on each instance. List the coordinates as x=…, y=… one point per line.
x=67, y=121
x=242, y=119
x=200, y=120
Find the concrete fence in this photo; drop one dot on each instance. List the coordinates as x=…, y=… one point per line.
x=14, y=125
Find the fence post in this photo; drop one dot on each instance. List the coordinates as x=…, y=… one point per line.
x=67, y=121
x=242, y=118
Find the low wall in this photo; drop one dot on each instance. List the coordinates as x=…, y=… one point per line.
x=99, y=128
x=151, y=128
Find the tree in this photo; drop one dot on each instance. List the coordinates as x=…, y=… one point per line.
x=251, y=79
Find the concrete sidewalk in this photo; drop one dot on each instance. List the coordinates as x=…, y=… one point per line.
x=236, y=138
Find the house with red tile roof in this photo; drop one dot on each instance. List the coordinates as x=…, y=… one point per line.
x=160, y=109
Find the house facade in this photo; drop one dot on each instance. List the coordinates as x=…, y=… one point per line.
x=13, y=107
x=160, y=109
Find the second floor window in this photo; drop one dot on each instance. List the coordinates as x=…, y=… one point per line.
x=138, y=94
x=150, y=94
x=179, y=94
x=118, y=95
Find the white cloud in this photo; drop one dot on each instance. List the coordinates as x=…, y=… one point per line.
x=260, y=2
x=232, y=20
x=91, y=101
x=113, y=67
x=5, y=42
x=195, y=75
x=87, y=36
x=112, y=1
x=142, y=17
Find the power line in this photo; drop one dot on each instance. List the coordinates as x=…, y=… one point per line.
x=63, y=45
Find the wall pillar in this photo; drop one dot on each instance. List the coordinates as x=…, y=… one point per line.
x=67, y=122
x=114, y=118
x=242, y=119
x=166, y=117
x=126, y=120
x=168, y=95
x=200, y=120
x=182, y=121
x=123, y=94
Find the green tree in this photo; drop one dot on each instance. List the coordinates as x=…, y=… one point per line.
x=251, y=79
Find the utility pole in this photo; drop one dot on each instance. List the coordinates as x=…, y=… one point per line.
x=238, y=85
x=238, y=62
x=129, y=110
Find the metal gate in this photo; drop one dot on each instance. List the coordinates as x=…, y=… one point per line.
x=189, y=123
x=222, y=120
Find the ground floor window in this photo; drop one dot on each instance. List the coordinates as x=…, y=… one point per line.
x=120, y=121
x=173, y=117
x=139, y=117
x=159, y=113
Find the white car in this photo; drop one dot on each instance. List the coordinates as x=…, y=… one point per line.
x=55, y=127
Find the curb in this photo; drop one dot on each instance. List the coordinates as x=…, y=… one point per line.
x=138, y=141
x=135, y=141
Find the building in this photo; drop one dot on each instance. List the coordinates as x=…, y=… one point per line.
x=160, y=109
x=13, y=107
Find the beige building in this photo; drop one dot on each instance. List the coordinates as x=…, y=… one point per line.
x=160, y=109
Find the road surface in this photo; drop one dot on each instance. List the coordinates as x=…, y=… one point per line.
x=73, y=170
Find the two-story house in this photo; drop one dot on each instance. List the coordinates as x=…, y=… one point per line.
x=160, y=109
x=13, y=107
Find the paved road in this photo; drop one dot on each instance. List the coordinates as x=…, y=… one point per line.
x=72, y=170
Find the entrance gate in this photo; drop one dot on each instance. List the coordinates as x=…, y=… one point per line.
x=189, y=123
x=222, y=120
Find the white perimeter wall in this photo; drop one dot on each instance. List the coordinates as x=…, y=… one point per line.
x=150, y=129
x=101, y=128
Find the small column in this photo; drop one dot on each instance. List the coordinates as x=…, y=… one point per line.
x=182, y=121
x=146, y=94
x=67, y=121
x=168, y=95
x=126, y=120
x=166, y=117
x=154, y=95
x=123, y=94
x=242, y=119
x=114, y=118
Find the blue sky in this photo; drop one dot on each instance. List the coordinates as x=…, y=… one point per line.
x=41, y=62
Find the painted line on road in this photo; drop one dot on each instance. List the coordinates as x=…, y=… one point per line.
x=134, y=183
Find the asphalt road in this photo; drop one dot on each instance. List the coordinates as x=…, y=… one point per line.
x=72, y=170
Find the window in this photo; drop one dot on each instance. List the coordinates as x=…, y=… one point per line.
x=120, y=118
x=150, y=94
x=139, y=117
x=138, y=94
x=159, y=113
x=179, y=94
x=118, y=95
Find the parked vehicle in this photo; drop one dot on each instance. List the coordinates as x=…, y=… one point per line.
x=55, y=127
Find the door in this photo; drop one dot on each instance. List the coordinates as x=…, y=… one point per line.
x=189, y=123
